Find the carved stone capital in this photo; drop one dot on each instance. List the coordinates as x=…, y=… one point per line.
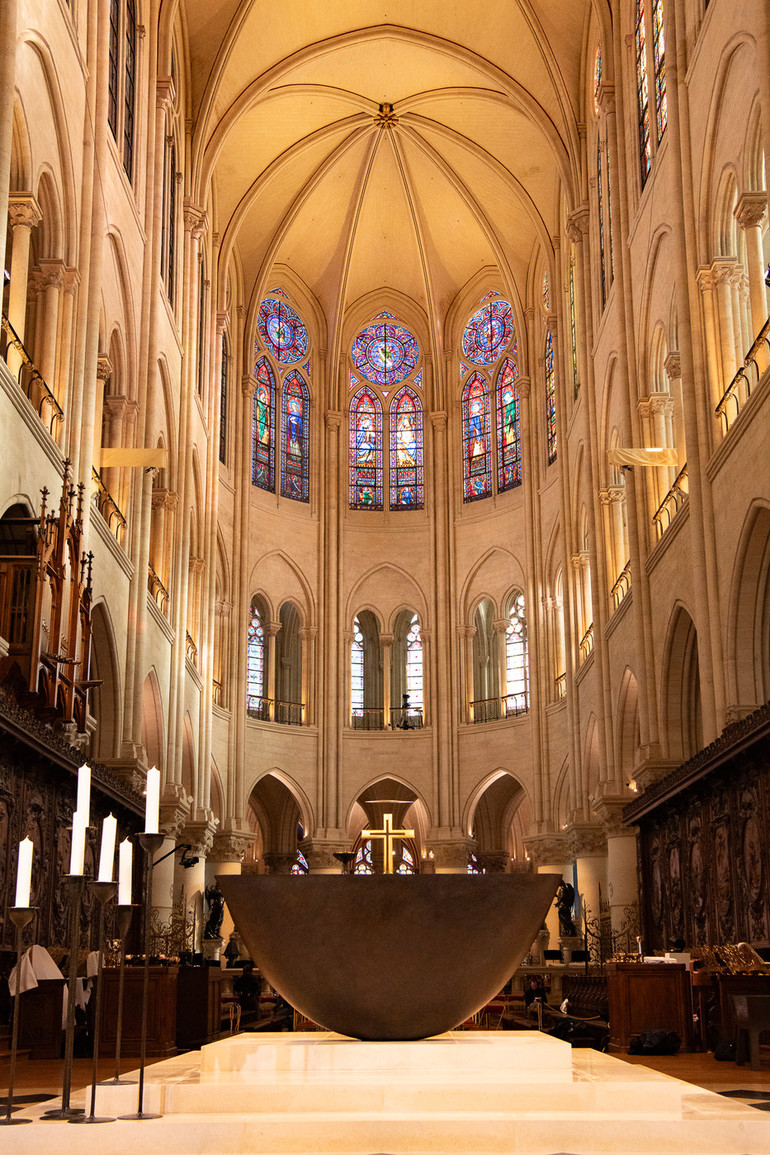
x=279, y=862
x=751, y=209
x=577, y=224
x=24, y=211
x=606, y=98
x=195, y=219
x=319, y=854
x=196, y=565
x=452, y=853
x=523, y=386
x=587, y=841
x=548, y=850
x=120, y=406
x=466, y=631
x=705, y=279
x=248, y=385
x=165, y=94
x=308, y=633
x=223, y=322
x=200, y=836
x=230, y=846
x=52, y=274
x=551, y=324
x=104, y=367
x=333, y=420
x=272, y=629
x=493, y=861
x=164, y=499
x=222, y=609
x=71, y=281
x=616, y=493
x=662, y=403
x=604, y=497
x=673, y=366
x=439, y=421
x=609, y=811
x=386, y=640
x=722, y=270
x=500, y=625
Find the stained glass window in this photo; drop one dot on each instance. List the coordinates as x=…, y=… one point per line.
x=488, y=333
x=600, y=204
x=223, y=401
x=597, y=77
x=353, y=380
x=278, y=293
x=363, y=861
x=407, y=490
x=642, y=93
x=385, y=353
x=517, y=659
x=407, y=864
x=659, y=59
x=357, y=672
x=365, y=451
x=609, y=211
x=418, y=379
x=414, y=665
x=281, y=331
x=306, y=367
x=477, y=440
x=295, y=407
x=463, y=370
x=255, y=666
x=112, y=71
x=550, y=399
x=546, y=292
x=508, y=428
x=263, y=428
x=129, y=86
x=573, y=328
x=300, y=866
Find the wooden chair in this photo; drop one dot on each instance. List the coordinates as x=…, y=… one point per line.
x=752, y=1017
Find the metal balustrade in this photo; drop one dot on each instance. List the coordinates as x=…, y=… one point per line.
x=587, y=644
x=622, y=585
x=748, y=376
x=671, y=503
x=157, y=590
x=108, y=508
x=31, y=380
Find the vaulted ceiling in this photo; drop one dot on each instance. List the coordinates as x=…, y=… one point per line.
x=310, y=169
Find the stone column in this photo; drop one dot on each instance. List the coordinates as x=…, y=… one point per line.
x=499, y=628
x=192, y=880
x=24, y=214
x=662, y=412
x=163, y=879
x=8, y=27
x=722, y=270
x=750, y=214
x=226, y=856
x=674, y=424
x=61, y=383
x=706, y=284
x=386, y=641
x=307, y=637
x=622, y=888
x=52, y=280
x=551, y=855
x=104, y=370
x=466, y=635
x=272, y=629
x=588, y=844
x=319, y=855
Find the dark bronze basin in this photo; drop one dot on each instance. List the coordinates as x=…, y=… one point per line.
x=388, y=956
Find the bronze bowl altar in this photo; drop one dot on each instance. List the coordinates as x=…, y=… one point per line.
x=388, y=956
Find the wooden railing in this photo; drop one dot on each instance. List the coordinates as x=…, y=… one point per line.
x=157, y=590
x=671, y=503
x=622, y=585
x=31, y=381
x=107, y=506
x=587, y=643
x=738, y=391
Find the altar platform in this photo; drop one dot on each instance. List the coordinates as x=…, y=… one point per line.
x=480, y=1093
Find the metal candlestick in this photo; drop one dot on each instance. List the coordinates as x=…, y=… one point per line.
x=103, y=892
x=74, y=884
x=20, y=916
x=124, y=915
x=150, y=844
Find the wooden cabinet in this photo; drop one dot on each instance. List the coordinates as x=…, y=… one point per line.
x=40, y=1019
x=200, y=1017
x=161, y=1011
x=648, y=997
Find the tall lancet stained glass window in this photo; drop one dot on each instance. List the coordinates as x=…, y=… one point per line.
x=407, y=489
x=659, y=61
x=642, y=92
x=508, y=427
x=477, y=439
x=550, y=399
x=295, y=408
x=365, y=451
x=263, y=427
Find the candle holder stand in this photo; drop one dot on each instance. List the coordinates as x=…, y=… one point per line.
x=124, y=915
x=74, y=884
x=150, y=844
x=20, y=916
x=103, y=892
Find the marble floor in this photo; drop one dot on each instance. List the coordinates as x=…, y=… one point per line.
x=484, y=1093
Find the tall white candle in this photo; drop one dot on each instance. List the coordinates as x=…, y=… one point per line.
x=152, y=802
x=24, y=873
x=107, y=853
x=125, y=860
x=84, y=792
x=78, y=848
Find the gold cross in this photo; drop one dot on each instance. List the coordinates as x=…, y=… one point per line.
x=388, y=836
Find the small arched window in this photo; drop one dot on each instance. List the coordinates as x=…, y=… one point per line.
x=121, y=77
x=516, y=659
x=263, y=428
x=414, y=665
x=256, y=666
x=357, y=671
x=366, y=451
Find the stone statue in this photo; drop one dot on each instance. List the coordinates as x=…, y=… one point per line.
x=216, y=901
x=565, y=900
